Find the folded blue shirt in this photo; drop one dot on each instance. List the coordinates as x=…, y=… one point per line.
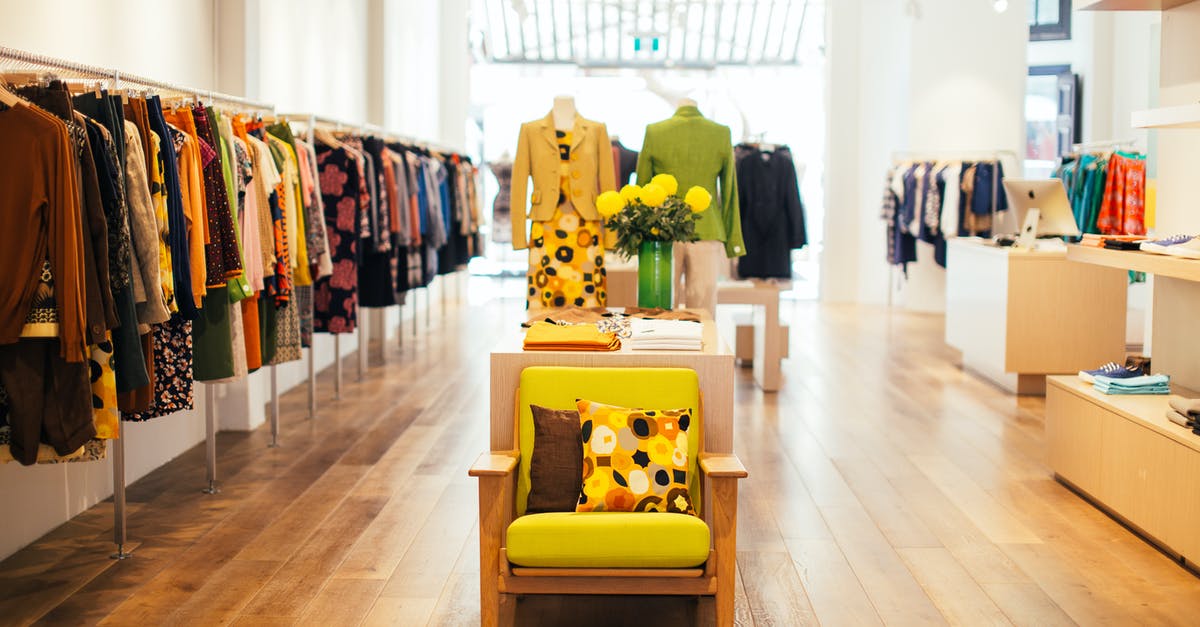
x=1133, y=382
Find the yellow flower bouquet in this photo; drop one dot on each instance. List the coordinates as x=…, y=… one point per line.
x=652, y=213
x=648, y=220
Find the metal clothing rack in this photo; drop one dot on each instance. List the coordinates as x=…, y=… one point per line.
x=997, y=155
x=1084, y=146
x=311, y=121
x=18, y=60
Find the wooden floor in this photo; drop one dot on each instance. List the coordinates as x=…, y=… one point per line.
x=886, y=487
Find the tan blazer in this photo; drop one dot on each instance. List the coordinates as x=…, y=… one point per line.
x=537, y=156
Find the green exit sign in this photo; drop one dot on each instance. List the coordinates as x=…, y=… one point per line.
x=640, y=42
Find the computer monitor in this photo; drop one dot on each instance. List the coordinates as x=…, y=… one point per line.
x=1049, y=197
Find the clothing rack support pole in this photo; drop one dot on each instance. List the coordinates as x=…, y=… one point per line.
x=442, y=288
x=274, y=408
x=891, y=284
x=118, y=466
x=337, y=367
x=312, y=381
x=362, y=350
x=416, y=311
x=428, y=305
x=210, y=437
x=400, y=327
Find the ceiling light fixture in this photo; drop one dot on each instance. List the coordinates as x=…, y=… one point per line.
x=1000, y=6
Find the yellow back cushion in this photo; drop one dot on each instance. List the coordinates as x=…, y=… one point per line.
x=652, y=388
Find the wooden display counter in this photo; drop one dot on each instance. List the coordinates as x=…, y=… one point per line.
x=713, y=364
x=1020, y=315
x=1123, y=454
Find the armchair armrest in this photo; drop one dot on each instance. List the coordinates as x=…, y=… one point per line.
x=722, y=465
x=495, y=464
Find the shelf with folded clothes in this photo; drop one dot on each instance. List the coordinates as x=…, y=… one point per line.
x=1150, y=263
x=1149, y=411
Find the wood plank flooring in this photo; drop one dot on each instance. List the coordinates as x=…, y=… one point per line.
x=886, y=487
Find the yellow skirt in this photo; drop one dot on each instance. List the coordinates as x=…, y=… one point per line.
x=566, y=262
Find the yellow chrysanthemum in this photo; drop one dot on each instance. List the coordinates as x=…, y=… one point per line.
x=654, y=195
x=698, y=199
x=631, y=193
x=667, y=182
x=609, y=204
x=654, y=231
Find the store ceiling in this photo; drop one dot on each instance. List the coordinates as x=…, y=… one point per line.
x=644, y=33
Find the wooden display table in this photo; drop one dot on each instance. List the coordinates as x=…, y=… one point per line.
x=713, y=365
x=770, y=341
x=1019, y=315
x=1125, y=456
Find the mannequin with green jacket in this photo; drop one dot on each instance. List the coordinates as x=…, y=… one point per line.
x=698, y=151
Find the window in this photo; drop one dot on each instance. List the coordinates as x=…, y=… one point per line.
x=1052, y=124
x=1049, y=20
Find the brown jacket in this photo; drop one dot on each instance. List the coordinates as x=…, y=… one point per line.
x=538, y=156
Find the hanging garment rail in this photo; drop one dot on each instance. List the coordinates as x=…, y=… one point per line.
x=895, y=279
x=29, y=60
x=1104, y=144
x=53, y=67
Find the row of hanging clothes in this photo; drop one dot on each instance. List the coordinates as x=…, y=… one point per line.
x=935, y=200
x=403, y=212
x=771, y=210
x=1107, y=190
x=153, y=241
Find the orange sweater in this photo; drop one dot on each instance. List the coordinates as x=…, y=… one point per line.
x=40, y=219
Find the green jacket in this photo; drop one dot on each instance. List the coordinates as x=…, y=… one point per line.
x=697, y=151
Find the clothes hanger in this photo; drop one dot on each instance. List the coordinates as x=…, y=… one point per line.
x=8, y=98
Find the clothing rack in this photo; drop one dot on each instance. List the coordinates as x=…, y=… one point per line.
x=1084, y=146
x=17, y=60
x=311, y=121
x=997, y=155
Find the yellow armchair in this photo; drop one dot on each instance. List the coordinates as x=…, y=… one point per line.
x=605, y=552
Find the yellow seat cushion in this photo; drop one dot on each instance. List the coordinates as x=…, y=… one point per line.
x=607, y=540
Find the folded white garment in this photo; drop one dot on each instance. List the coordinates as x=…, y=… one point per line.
x=664, y=345
x=665, y=329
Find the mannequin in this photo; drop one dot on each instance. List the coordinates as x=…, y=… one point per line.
x=698, y=151
x=501, y=208
x=570, y=161
x=564, y=112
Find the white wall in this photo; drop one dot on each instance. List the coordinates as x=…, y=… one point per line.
x=949, y=78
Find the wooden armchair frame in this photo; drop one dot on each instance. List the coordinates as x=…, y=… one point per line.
x=498, y=579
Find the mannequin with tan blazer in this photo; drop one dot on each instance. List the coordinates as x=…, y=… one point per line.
x=592, y=170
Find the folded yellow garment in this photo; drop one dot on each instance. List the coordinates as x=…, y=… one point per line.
x=545, y=336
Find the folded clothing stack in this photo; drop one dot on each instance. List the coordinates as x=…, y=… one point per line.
x=1144, y=384
x=1120, y=242
x=676, y=335
x=1185, y=412
x=545, y=336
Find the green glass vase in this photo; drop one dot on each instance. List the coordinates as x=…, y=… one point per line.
x=656, y=275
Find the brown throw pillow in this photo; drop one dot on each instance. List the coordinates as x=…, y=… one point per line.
x=556, y=466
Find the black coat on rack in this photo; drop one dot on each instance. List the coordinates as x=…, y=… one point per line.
x=771, y=210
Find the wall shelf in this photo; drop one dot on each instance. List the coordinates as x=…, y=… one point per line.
x=1128, y=5
x=1182, y=116
x=1160, y=265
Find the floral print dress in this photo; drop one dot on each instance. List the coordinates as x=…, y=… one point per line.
x=343, y=190
x=566, y=252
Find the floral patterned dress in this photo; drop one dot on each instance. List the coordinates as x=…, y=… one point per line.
x=335, y=297
x=566, y=252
